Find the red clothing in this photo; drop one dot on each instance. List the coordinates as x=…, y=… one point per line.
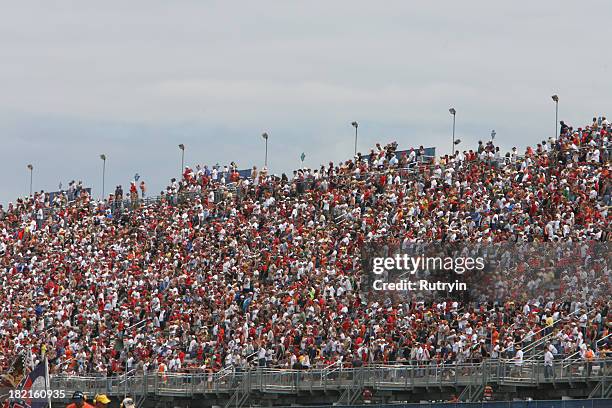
x=85, y=405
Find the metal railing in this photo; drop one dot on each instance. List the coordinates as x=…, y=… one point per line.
x=543, y=340
x=575, y=355
x=399, y=377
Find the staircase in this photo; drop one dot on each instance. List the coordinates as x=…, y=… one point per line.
x=602, y=390
x=140, y=399
x=472, y=393
x=353, y=392
x=242, y=393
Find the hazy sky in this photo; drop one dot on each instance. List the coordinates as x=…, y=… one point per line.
x=133, y=79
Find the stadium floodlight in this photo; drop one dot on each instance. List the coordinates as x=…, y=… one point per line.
x=456, y=142
x=31, y=168
x=103, y=157
x=555, y=98
x=356, y=126
x=454, y=113
x=265, y=136
x=182, y=147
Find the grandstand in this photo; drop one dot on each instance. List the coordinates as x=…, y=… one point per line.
x=233, y=288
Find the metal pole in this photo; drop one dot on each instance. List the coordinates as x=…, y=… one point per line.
x=453, y=147
x=556, y=119
x=266, y=159
x=182, y=160
x=103, y=176
x=31, y=171
x=47, y=382
x=356, y=130
x=126, y=373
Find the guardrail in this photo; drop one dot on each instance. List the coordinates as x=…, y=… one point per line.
x=573, y=403
x=575, y=355
x=399, y=377
x=546, y=338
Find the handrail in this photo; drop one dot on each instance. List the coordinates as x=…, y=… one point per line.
x=578, y=352
x=559, y=301
x=554, y=322
x=545, y=338
x=388, y=367
x=389, y=377
x=327, y=367
x=125, y=375
x=527, y=348
x=327, y=370
x=138, y=324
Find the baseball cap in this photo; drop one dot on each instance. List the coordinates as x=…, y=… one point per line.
x=128, y=403
x=78, y=395
x=101, y=398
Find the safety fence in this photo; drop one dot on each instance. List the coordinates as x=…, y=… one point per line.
x=579, y=403
x=399, y=377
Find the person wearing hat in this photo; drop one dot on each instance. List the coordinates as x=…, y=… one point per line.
x=128, y=403
x=78, y=401
x=101, y=401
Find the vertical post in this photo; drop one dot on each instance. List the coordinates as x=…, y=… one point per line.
x=182, y=147
x=555, y=98
x=556, y=119
x=454, y=113
x=127, y=355
x=47, y=382
x=265, y=136
x=356, y=126
x=156, y=385
x=31, y=168
x=103, y=177
x=145, y=385
x=103, y=157
x=453, y=150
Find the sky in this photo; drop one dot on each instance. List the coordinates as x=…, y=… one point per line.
x=133, y=79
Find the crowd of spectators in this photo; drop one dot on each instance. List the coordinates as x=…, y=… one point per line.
x=223, y=271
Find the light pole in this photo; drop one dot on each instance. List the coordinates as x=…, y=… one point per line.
x=355, y=125
x=265, y=136
x=493, y=134
x=31, y=168
x=555, y=98
x=103, y=157
x=454, y=113
x=182, y=147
